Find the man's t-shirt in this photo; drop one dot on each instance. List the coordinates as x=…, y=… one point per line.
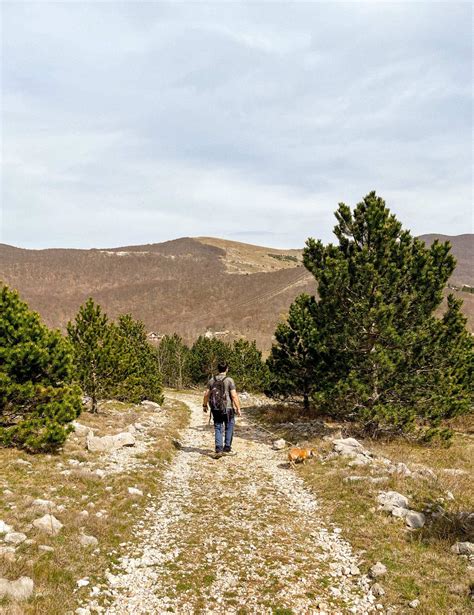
x=229, y=386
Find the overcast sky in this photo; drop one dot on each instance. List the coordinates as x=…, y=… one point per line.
x=130, y=123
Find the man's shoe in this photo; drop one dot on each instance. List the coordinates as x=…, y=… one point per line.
x=229, y=453
x=218, y=455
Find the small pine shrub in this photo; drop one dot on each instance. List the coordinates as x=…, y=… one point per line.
x=37, y=400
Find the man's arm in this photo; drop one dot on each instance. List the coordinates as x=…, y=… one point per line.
x=235, y=402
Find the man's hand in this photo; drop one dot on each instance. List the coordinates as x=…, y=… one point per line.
x=205, y=400
x=236, y=402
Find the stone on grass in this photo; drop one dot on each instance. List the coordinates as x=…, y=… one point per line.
x=83, y=582
x=88, y=541
x=45, y=548
x=349, y=447
x=48, y=524
x=279, y=444
x=400, y=468
x=81, y=430
x=389, y=500
x=150, y=405
x=22, y=462
x=42, y=505
x=134, y=491
x=400, y=512
x=424, y=472
x=378, y=570
x=5, y=528
x=454, y=471
x=14, y=538
x=377, y=590
x=7, y=553
x=414, y=519
x=414, y=604
x=21, y=589
x=463, y=548
x=109, y=443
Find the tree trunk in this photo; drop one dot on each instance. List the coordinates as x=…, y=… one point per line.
x=306, y=402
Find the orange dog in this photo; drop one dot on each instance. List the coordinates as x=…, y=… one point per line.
x=300, y=455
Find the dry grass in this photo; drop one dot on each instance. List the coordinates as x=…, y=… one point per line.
x=420, y=563
x=55, y=573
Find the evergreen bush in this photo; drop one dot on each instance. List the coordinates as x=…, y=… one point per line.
x=135, y=375
x=37, y=400
x=91, y=338
x=380, y=354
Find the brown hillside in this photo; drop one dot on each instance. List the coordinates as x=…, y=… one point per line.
x=185, y=285
x=462, y=247
x=181, y=285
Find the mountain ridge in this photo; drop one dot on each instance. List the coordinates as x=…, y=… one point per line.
x=188, y=285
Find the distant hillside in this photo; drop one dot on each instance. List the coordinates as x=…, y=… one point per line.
x=183, y=285
x=186, y=285
x=463, y=250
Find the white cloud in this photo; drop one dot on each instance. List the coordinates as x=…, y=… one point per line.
x=137, y=122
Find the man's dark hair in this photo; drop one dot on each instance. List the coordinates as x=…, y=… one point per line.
x=222, y=367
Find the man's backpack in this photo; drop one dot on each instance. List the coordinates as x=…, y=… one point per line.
x=217, y=398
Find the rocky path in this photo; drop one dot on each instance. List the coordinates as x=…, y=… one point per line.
x=235, y=535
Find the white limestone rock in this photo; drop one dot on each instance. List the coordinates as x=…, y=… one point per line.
x=279, y=444
x=5, y=528
x=378, y=570
x=109, y=443
x=414, y=519
x=463, y=548
x=150, y=405
x=19, y=590
x=88, y=541
x=22, y=462
x=7, y=553
x=43, y=505
x=15, y=538
x=350, y=447
x=49, y=524
x=81, y=430
x=389, y=500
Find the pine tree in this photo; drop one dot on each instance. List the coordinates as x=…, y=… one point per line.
x=381, y=354
x=205, y=354
x=37, y=399
x=90, y=336
x=292, y=361
x=135, y=373
x=246, y=366
x=173, y=358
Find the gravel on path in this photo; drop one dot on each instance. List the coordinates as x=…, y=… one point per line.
x=236, y=535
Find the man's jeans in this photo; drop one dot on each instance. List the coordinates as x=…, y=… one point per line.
x=225, y=425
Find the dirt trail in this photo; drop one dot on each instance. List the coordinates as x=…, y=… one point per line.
x=236, y=535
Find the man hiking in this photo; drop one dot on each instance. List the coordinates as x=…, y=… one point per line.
x=221, y=395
